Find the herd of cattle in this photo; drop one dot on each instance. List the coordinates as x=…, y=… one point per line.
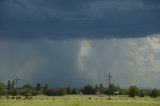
x=17, y=98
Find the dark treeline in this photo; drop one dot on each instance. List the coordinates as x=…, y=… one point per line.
x=27, y=90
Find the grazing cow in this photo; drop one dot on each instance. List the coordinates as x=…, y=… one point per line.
x=13, y=97
x=27, y=97
x=89, y=98
x=19, y=97
x=7, y=97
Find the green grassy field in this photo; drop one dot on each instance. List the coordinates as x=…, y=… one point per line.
x=81, y=101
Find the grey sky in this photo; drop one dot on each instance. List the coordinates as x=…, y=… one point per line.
x=77, y=42
x=133, y=61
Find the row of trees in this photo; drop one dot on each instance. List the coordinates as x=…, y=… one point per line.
x=28, y=90
x=135, y=91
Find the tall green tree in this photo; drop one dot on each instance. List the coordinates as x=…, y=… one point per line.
x=141, y=93
x=9, y=85
x=45, y=87
x=38, y=87
x=62, y=91
x=74, y=91
x=26, y=92
x=13, y=84
x=133, y=91
x=100, y=89
x=88, y=90
x=2, y=89
x=27, y=86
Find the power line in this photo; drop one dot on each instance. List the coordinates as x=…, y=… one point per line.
x=109, y=80
x=16, y=81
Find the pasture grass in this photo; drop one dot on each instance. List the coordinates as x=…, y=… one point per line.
x=81, y=101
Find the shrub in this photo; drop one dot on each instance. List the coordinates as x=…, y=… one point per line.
x=154, y=93
x=141, y=93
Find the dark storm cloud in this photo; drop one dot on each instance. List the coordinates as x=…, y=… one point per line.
x=40, y=60
x=61, y=19
x=148, y=2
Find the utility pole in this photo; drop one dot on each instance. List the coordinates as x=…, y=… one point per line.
x=109, y=80
x=16, y=81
